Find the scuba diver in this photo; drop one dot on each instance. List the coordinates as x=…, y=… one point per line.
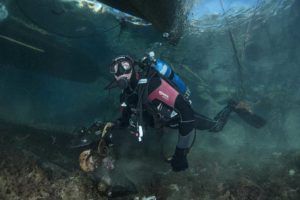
x=154, y=95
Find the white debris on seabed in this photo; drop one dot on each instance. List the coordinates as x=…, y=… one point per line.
x=174, y=187
x=149, y=198
x=292, y=172
x=166, y=35
x=145, y=198
x=3, y=12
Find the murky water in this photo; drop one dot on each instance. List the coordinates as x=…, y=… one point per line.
x=54, y=64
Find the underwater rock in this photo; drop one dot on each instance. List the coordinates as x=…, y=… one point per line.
x=111, y=187
x=101, y=168
x=89, y=161
x=102, y=187
x=26, y=179
x=86, y=161
x=50, y=169
x=247, y=189
x=113, y=183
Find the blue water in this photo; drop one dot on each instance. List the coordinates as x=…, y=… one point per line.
x=62, y=88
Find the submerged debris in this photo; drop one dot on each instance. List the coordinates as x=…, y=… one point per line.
x=86, y=161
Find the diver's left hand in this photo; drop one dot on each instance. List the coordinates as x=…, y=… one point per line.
x=179, y=161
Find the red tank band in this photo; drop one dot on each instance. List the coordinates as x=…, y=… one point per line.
x=165, y=93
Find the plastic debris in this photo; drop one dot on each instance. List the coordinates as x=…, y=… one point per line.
x=149, y=198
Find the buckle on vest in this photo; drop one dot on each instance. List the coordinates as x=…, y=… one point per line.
x=143, y=81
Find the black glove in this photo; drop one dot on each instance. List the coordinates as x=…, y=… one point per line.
x=179, y=161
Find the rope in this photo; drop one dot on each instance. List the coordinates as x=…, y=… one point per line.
x=241, y=89
x=22, y=44
x=249, y=27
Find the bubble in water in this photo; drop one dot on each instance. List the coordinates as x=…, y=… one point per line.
x=3, y=12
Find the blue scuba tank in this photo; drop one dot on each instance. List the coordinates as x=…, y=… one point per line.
x=166, y=70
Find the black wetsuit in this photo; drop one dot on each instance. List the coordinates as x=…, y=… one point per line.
x=137, y=97
x=187, y=120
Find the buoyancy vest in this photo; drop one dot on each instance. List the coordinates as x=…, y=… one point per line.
x=164, y=93
x=163, y=99
x=166, y=70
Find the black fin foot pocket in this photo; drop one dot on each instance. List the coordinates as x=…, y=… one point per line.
x=244, y=112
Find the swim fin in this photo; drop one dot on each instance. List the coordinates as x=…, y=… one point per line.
x=251, y=118
x=245, y=113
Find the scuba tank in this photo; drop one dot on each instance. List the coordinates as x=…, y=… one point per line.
x=166, y=71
